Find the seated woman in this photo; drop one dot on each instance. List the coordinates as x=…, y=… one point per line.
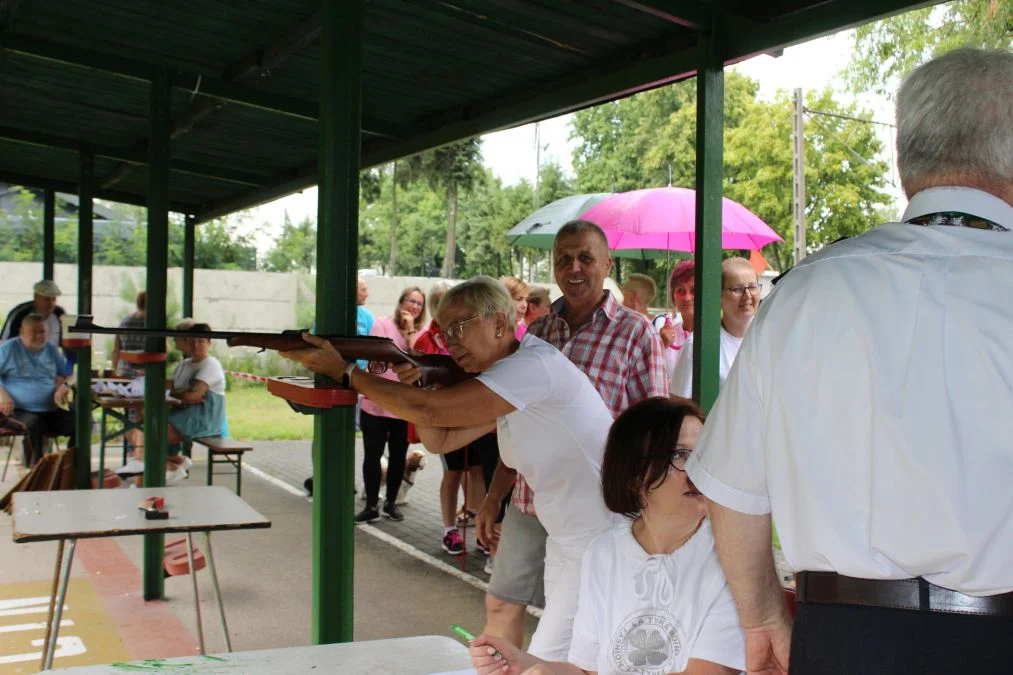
x=199, y=384
x=653, y=598
x=551, y=422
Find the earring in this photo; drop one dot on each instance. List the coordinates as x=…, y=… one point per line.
x=499, y=333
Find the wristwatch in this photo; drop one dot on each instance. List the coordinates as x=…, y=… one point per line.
x=346, y=378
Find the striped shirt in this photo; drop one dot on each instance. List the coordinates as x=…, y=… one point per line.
x=617, y=349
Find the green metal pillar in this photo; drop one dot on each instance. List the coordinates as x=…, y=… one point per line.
x=337, y=255
x=155, y=416
x=188, y=241
x=48, y=233
x=709, y=145
x=86, y=187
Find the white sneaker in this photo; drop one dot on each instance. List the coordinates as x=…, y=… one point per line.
x=488, y=566
x=187, y=463
x=131, y=468
x=175, y=475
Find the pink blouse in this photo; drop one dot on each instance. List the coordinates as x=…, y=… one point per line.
x=384, y=326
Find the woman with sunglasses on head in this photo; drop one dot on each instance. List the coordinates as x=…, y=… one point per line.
x=653, y=598
x=740, y=297
x=551, y=424
x=382, y=427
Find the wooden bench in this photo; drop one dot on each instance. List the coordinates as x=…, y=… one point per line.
x=225, y=451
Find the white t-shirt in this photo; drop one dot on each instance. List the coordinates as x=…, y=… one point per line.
x=651, y=614
x=555, y=437
x=869, y=408
x=209, y=371
x=682, y=379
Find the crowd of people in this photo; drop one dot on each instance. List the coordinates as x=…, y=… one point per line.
x=861, y=408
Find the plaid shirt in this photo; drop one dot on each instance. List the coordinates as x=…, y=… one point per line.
x=618, y=349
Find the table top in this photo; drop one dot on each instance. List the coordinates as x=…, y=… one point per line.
x=131, y=402
x=399, y=656
x=66, y=514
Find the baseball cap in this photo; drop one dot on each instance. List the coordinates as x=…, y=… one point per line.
x=46, y=288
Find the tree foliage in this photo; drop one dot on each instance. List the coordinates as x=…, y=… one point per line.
x=885, y=51
x=640, y=144
x=452, y=170
x=295, y=249
x=121, y=240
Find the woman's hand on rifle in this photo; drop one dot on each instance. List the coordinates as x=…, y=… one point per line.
x=320, y=356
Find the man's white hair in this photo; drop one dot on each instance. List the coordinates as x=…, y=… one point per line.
x=485, y=295
x=955, y=117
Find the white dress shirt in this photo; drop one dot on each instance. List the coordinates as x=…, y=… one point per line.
x=871, y=405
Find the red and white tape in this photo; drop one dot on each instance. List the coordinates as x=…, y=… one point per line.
x=246, y=376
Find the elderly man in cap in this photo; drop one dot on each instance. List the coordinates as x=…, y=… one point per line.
x=43, y=304
x=869, y=412
x=33, y=387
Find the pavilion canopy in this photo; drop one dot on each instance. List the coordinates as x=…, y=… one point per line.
x=245, y=73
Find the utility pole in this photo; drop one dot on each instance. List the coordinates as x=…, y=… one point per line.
x=537, y=201
x=798, y=190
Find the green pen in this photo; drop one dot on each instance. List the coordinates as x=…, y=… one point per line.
x=465, y=634
x=462, y=632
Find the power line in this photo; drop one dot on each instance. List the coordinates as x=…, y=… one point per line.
x=848, y=117
x=850, y=149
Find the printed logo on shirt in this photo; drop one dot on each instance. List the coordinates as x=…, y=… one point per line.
x=647, y=644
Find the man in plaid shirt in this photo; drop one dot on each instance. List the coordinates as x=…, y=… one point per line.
x=621, y=352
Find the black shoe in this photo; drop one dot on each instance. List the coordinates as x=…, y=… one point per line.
x=391, y=510
x=308, y=485
x=369, y=514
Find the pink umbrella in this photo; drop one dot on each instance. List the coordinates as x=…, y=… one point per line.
x=664, y=219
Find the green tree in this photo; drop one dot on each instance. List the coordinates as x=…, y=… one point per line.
x=420, y=230
x=295, y=249
x=610, y=135
x=844, y=178
x=452, y=170
x=885, y=51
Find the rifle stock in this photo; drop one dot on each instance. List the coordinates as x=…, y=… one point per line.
x=379, y=351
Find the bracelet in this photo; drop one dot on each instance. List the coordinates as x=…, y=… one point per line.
x=346, y=378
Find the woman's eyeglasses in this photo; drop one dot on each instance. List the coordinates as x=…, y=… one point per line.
x=679, y=458
x=454, y=331
x=737, y=291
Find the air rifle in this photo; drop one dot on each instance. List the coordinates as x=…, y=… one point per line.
x=379, y=351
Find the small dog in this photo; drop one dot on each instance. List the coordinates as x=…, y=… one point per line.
x=414, y=462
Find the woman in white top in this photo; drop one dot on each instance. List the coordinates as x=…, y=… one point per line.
x=551, y=421
x=653, y=598
x=740, y=296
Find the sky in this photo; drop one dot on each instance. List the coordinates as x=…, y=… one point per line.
x=511, y=153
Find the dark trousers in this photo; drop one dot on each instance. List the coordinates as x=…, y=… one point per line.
x=848, y=640
x=377, y=432
x=56, y=422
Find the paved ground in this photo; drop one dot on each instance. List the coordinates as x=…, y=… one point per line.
x=291, y=462
x=265, y=576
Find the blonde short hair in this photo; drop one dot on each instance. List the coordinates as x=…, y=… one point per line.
x=436, y=293
x=644, y=286
x=484, y=295
x=516, y=287
x=729, y=265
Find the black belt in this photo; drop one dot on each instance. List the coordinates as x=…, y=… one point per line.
x=910, y=594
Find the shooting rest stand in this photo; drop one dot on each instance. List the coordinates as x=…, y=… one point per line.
x=311, y=397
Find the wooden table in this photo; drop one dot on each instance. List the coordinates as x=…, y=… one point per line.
x=79, y=514
x=398, y=656
x=111, y=407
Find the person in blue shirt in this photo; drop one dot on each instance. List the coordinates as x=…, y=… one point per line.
x=363, y=317
x=363, y=325
x=33, y=387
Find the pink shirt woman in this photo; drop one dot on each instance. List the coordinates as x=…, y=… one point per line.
x=403, y=330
